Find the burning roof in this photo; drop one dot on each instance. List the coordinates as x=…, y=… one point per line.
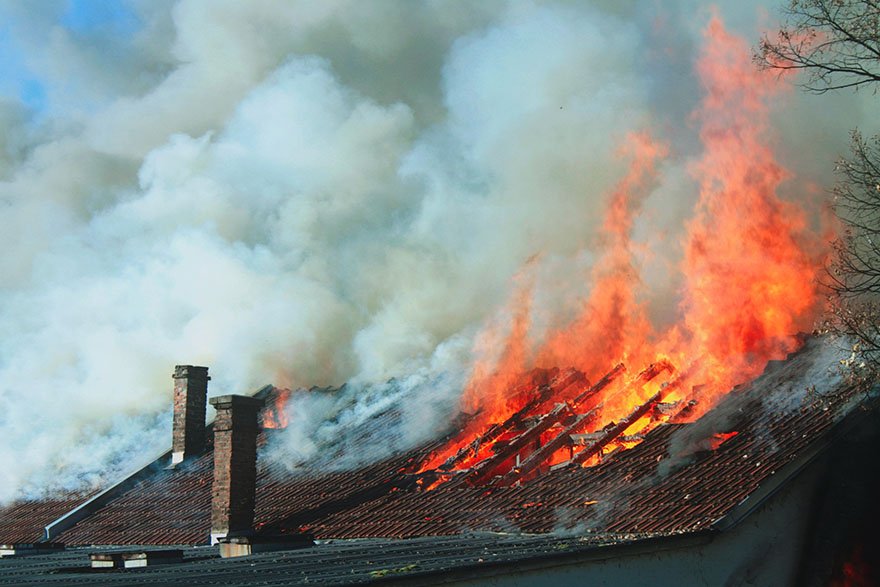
x=604, y=418
x=608, y=423
x=670, y=477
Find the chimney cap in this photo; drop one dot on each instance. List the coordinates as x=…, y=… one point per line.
x=190, y=371
x=235, y=401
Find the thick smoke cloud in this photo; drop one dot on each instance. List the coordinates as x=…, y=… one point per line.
x=304, y=193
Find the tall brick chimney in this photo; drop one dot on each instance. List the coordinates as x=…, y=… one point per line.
x=190, y=396
x=235, y=465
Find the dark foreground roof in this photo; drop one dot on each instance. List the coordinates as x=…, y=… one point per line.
x=333, y=563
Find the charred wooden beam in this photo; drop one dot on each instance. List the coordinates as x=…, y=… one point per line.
x=483, y=470
x=581, y=421
x=613, y=430
x=472, y=448
x=578, y=402
x=684, y=414
x=496, y=430
x=632, y=438
x=546, y=451
x=665, y=410
x=584, y=439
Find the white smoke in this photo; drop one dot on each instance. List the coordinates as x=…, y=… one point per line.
x=812, y=374
x=301, y=193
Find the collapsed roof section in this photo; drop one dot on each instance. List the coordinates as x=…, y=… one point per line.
x=537, y=438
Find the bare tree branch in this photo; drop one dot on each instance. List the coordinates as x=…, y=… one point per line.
x=835, y=42
x=836, y=45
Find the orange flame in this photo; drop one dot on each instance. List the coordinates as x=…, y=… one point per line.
x=748, y=273
x=493, y=378
x=611, y=318
x=717, y=440
x=274, y=414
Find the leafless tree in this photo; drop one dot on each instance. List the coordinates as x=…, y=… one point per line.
x=836, y=44
x=854, y=273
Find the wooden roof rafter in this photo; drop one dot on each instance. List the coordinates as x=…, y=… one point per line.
x=609, y=432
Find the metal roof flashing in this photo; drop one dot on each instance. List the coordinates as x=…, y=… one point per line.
x=161, y=461
x=92, y=504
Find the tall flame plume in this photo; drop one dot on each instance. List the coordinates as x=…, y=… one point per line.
x=748, y=275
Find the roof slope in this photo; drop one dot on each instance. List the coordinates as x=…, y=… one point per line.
x=679, y=479
x=23, y=521
x=333, y=563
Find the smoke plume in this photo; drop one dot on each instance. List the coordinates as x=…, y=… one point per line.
x=307, y=193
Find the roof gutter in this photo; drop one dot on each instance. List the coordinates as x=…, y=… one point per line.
x=489, y=570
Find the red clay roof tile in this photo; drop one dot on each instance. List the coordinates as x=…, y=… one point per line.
x=646, y=488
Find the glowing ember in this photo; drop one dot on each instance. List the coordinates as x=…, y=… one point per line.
x=717, y=440
x=748, y=287
x=855, y=572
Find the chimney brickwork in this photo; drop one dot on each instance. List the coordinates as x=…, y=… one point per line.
x=235, y=465
x=190, y=398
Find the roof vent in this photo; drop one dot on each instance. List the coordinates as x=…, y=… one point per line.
x=190, y=395
x=247, y=545
x=20, y=548
x=128, y=560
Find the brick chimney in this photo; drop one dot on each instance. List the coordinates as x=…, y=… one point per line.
x=190, y=395
x=235, y=465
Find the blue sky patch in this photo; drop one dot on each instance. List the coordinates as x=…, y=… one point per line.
x=88, y=16
x=17, y=81
x=33, y=93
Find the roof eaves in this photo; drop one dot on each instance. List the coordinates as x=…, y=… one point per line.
x=789, y=471
x=557, y=555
